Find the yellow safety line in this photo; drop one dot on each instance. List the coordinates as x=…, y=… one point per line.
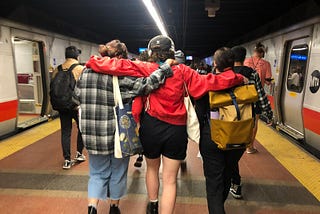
x=303, y=166
x=28, y=137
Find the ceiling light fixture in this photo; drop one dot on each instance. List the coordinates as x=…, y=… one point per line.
x=212, y=6
x=153, y=12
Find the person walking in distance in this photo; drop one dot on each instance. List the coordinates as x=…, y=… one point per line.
x=71, y=64
x=263, y=68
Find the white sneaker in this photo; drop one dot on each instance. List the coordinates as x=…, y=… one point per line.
x=80, y=157
x=67, y=164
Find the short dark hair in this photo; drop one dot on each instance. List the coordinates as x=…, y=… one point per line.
x=72, y=52
x=223, y=58
x=239, y=53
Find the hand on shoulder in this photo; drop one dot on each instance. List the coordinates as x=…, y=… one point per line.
x=171, y=62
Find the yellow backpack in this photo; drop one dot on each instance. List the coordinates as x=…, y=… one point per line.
x=232, y=121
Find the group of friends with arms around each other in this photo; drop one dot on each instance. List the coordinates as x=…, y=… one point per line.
x=156, y=85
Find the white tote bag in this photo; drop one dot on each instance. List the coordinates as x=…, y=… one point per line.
x=193, y=127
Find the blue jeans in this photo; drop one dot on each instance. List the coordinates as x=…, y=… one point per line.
x=108, y=177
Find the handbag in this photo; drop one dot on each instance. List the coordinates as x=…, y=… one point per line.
x=193, y=127
x=126, y=138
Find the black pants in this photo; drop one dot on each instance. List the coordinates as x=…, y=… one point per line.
x=218, y=166
x=235, y=174
x=66, y=126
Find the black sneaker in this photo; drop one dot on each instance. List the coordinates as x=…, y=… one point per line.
x=152, y=208
x=114, y=209
x=92, y=210
x=235, y=191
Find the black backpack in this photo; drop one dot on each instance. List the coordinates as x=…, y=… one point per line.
x=62, y=86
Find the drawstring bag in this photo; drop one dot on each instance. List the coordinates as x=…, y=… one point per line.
x=126, y=138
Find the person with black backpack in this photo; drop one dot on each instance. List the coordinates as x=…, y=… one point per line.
x=64, y=101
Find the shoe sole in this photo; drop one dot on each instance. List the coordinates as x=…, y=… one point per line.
x=252, y=152
x=72, y=163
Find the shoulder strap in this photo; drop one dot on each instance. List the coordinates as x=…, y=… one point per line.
x=73, y=66
x=186, y=89
x=60, y=68
x=235, y=103
x=116, y=92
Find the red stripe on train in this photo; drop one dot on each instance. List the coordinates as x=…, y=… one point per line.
x=311, y=120
x=8, y=110
x=271, y=100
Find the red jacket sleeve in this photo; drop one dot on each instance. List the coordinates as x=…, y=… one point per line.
x=121, y=67
x=137, y=108
x=198, y=85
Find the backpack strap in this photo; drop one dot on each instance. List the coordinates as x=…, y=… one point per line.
x=60, y=68
x=73, y=66
x=234, y=101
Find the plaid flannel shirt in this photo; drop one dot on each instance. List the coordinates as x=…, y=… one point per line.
x=263, y=102
x=96, y=117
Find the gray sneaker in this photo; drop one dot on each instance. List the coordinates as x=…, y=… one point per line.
x=80, y=157
x=67, y=164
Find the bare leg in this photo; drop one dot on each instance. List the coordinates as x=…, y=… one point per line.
x=114, y=202
x=169, y=181
x=152, y=178
x=93, y=201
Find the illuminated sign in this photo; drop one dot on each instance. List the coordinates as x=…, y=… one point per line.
x=189, y=58
x=142, y=49
x=298, y=57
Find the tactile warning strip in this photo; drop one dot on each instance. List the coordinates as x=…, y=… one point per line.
x=303, y=166
x=28, y=137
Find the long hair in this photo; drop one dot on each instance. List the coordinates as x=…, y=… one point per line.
x=161, y=55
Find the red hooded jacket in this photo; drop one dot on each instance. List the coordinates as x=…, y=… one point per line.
x=166, y=103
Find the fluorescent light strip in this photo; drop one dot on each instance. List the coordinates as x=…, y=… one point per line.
x=153, y=12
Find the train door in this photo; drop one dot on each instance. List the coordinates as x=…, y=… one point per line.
x=29, y=63
x=293, y=86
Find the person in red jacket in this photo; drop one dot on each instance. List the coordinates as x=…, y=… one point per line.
x=163, y=124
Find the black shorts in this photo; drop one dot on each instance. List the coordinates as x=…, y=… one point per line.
x=161, y=138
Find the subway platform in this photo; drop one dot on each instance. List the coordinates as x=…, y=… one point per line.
x=280, y=179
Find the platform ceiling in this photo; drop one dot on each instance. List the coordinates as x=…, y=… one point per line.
x=187, y=22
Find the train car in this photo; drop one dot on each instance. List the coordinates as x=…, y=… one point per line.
x=27, y=58
x=294, y=55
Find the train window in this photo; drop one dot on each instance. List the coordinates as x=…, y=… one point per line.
x=297, y=68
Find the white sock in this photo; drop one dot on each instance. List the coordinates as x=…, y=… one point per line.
x=92, y=205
